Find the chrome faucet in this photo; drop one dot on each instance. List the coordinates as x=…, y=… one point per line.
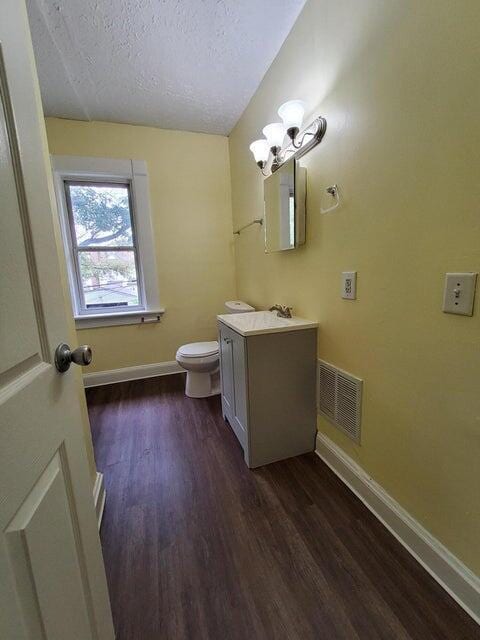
x=282, y=311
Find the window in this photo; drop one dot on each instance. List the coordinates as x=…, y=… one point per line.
x=108, y=240
x=104, y=245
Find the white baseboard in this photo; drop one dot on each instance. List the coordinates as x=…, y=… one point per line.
x=461, y=583
x=131, y=373
x=99, y=496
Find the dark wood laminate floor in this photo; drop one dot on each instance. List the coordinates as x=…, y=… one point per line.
x=197, y=546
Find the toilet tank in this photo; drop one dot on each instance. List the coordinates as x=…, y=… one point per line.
x=237, y=306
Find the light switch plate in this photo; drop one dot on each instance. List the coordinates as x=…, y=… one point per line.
x=459, y=293
x=349, y=285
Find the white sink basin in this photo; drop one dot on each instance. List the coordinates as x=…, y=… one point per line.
x=256, y=322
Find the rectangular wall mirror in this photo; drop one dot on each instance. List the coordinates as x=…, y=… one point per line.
x=284, y=196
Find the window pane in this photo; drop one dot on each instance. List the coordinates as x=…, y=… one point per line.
x=101, y=214
x=109, y=278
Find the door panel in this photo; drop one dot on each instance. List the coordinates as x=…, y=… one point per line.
x=19, y=336
x=226, y=371
x=45, y=558
x=52, y=578
x=240, y=382
x=233, y=372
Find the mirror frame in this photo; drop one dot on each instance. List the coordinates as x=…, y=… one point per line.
x=299, y=194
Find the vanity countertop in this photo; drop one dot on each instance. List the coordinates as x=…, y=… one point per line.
x=257, y=322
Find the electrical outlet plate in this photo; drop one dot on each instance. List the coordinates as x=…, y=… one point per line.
x=459, y=293
x=349, y=285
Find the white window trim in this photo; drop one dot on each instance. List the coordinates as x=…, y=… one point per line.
x=105, y=169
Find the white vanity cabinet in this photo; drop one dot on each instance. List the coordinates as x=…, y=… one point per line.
x=268, y=373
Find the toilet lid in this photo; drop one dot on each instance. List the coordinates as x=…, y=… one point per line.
x=199, y=349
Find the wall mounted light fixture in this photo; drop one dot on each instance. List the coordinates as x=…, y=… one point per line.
x=292, y=113
x=298, y=142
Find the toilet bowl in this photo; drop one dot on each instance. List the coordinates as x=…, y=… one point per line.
x=201, y=360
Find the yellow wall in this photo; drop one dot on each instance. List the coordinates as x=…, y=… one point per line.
x=398, y=84
x=191, y=208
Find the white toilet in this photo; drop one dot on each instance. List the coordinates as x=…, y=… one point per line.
x=201, y=360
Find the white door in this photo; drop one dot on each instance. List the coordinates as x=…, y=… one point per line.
x=52, y=578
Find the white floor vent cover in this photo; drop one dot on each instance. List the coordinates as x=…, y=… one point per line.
x=340, y=398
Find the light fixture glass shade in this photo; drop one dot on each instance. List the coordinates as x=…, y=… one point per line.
x=292, y=113
x=260, y=150
x=274, y=133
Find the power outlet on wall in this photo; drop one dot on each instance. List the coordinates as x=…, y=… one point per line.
x=349, y=285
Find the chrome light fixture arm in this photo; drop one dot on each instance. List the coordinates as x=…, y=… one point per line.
x=298, y=145
x=261, y=165
x=316, y=129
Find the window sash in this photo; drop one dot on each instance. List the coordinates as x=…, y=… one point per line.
x=76, y=250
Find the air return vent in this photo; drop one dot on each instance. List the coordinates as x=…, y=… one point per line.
x=340, y=398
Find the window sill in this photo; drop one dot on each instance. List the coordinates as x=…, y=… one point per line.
x=117, y=319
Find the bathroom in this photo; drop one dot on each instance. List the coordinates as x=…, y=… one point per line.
x=266, y=223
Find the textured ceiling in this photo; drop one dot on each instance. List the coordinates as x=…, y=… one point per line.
x=191, y=65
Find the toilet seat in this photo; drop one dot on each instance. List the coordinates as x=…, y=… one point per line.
x=199, y=349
